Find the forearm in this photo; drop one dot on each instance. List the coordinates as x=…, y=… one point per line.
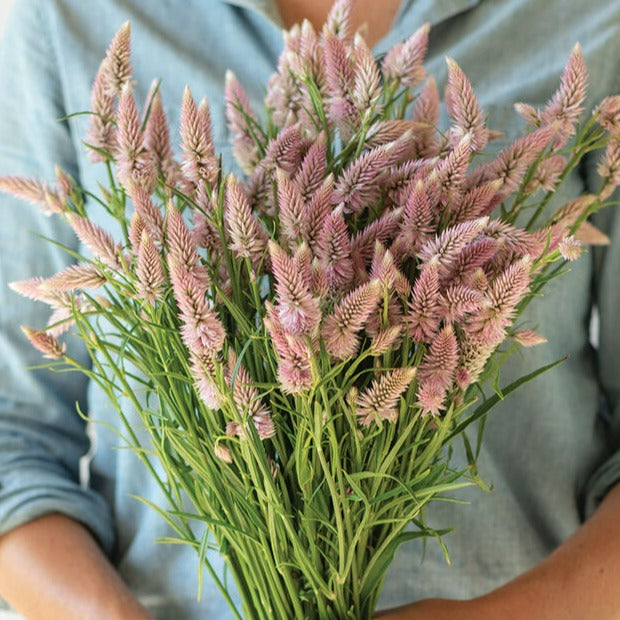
x=52, y=569
x=578, y=580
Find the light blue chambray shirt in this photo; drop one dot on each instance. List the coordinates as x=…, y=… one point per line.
x=549, y=454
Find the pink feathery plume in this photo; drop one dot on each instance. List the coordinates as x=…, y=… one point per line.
x=34, y=289
x=318, y=211
x=528, y=338
x=149, y=270
x=157, y=137
x=64, y=182
x=458, y=300
x=292, y=210
x=474, y=356
x=512, y=162
x=462, y=105
x=44, y=342
x=202, y=331
x=50, y=200
x=472, y=257
x=547, y=174
x=181, y=246
x=367, y=78
x=248, y=401
x=86, y=276
x=199, y=161
x=302, y=259
x=529, y=113
x=426, y=112
x=505, y=292
x=117, y=61
x=311, y=173
x=102, y=129
x=380, y=401
x=382, y=319
x=136, y=227
x=516, y=240
x=333, y=249
x=383, y=132
x=404, y=61
x=148, y=212
x=203, y=372
x=298, y=310
x=567, y=103
x=451, y=242
x=424, y=307
x=608, y=114
x=384, y=269
x=382, y=229
x=134, y=163
x=452, y=171
x=437, y=371
x=418, y=220
x=248, y=238
x=340, y=329
x=222, y=452
x=285, y=151
x=97, y=240
x=294, y=368
x=241, y=122
x=358, y=185
x=204, y=232
x=338, y=20
x=385, y=339
x=609, y=166
x=258, y=189
x=570, y=248
x=475, y=202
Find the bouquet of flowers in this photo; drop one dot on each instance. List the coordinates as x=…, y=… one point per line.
x=303, y=343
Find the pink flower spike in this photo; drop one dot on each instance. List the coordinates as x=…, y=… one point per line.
x=380, y=401
x=438, y=367
x=311, y=173
x=44, y=342
x=424, y=306
x=333, y=249
x=97, y=240
x=404, y=61
x=367, y=80
x=203, y=373
x=293, y=214
x=48, y=199
x=463, y=107
x=528, y=338
x=102, y=130
x=570, y=248
x=609, y=166
x=338, y=19
x=222, y=452
x=118, y=67
x=149, y=270
x=608, y=114
x=85, y=276
x=157, y=132
x=199, y=161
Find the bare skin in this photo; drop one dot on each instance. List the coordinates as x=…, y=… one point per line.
x=52, y=569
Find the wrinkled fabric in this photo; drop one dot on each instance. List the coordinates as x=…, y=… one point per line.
x=551, y=450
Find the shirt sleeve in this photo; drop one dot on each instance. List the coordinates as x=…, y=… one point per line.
x=606, y=290
x=42, y=437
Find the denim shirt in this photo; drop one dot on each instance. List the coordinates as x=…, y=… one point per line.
x=548, y=453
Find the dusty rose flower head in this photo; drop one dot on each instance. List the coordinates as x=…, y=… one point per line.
x=44, y=342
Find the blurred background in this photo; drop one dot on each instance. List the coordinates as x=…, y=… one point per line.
x=5, y=6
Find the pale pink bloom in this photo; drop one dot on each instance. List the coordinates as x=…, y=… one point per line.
x=423, y=316
x=203, y=372
x=292, y=210
x=566, y=104
x=44, y=342
x=31, y=289
x=570, y=248
x=147, y=211
x=547, y=174
x=340, y=329
x=102, y=130
x=64, y=183
x=380, y=401
x=241, y=122
x=446, y=247
x=358, y=185
x=458, y=300
x=431, y=397
x=248, y=238
x=426, y=112
x=333, y=249
x=200, y=163
x=472, y=257
x=439, y=364
x=83, y=276
x=476, y=202
x=149, y=270
x=117, y=61
x=319, y=209
x=298, y=310
x=609, y=165
x=367, y=79
x=516, y=240
x=383, y=132
x=157, y=136
x=385, y=270
x=222, y=452
x=302, y=259
x=50, y=200
x=608, y=114
x=463, y=107
x=181, y=247
x=339, y=80
x=311, y=173
x=97, y=240
x=285, y=151
x=382, y=229
x=62, y=318
x=385, y=339
x=474, y=356
x=528, y=338
x=529, y=113
x=382, y=319
x=136, y=227
x=404, y=61
x=338, y=19
x=451, y=172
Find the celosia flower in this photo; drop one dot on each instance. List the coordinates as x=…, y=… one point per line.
x=149, y=270
x=570, y=248
x=311, y=174
x=528, y=338
x=44, y=342
x=338, y=19
x=340, y=329
x=292, y=211
x=609, y=166
x=404, y=61
x=385, y=340
x=438, y=368
x=117, y=61
x=50, y=200
x=102, y=131
x=333, y=249
x=380, y=401
x=97, y=240
x=608, y=114
x=424, y=306
x=75, y=276
x=285, y=151
x=318, y=211
x=367, y=79
x=203, y=372
x=222, y=452
x=149, y=214
x=298, y=310
x=157, y=136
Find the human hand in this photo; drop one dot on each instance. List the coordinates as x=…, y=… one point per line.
x=432, y=609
